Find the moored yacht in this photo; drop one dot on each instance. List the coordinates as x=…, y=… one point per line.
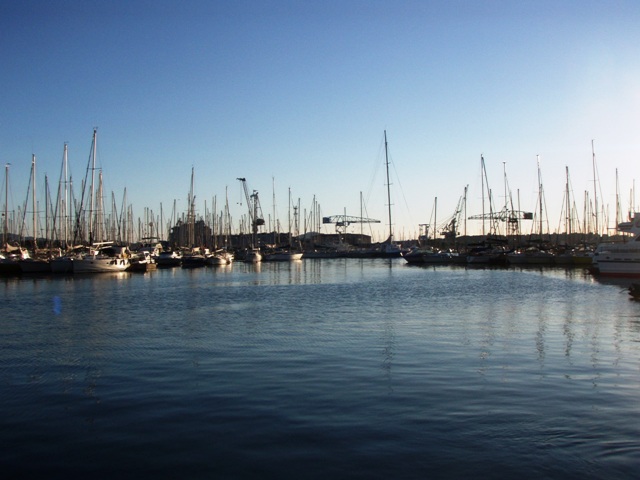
x=104, y=257
x=282, y=256
x=10, y=260
x=426, y=255
x=220, y=257
x=62, y=264
x=194, y=259
x=169, y=258
x=142, y=261
x=253, y=255
x=620, y=259
x=35, y=265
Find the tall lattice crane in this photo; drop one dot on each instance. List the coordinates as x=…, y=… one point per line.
x=450, y=229
x=255, y=210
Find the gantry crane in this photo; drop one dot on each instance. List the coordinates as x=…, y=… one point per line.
x=511, y=217
x=343, y=221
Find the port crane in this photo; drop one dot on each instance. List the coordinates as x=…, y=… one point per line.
x=255, y=210
x=511, y=217
x=343, y=221
x=450, y=229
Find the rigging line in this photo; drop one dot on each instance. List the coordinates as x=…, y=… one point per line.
x=404, y=198
x=563, y=213
x=8, y=196
x=366, y=214
x=376, y=168
x=23, y=226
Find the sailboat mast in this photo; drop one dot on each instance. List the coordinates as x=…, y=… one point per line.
x=65, y=200
x=289, y=216
x=191, y=214
x=482, y=175
x=618, y=209
x=5, y=238
x=465, y=211
x=386, y=157
x=160, y=229
x=361, y=216
x=276, y=227
x=632, y=207
x=99, y=221
x=227, y=217
x=504, y=179
x=47, y=209
x=595, y=187
x=435, y=220
x=539, y=192
x=91, y=195
x=296, y=220
x=33, y=201
x=568, y=207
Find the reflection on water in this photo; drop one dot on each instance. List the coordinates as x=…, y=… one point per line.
x=345, y=367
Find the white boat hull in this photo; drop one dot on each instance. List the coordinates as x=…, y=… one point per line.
x=618, y=267
x=620, y=259
x=283, y=257
x=220, y=259
x=100, y=265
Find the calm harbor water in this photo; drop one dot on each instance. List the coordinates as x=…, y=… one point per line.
x=338, y=368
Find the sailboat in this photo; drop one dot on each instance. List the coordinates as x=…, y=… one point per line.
x=428, y=254
x=388, y=249
x=219, y=257
x=286, y=254
x=61, y=220
x=10, y=256
x=493, y=247
x=222, y=256
x=194, y=257
x=34, y=264
x=569, y=255
x=534, y=253
x=102, y=256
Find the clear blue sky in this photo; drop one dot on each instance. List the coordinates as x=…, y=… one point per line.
x=301, y=92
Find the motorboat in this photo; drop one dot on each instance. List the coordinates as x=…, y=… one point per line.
x=142, y=261
x=103, y=257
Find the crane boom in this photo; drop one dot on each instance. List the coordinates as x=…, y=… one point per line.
x=504, y=215
x=343, y=221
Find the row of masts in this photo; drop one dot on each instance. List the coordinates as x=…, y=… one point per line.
x=593, y=223
x=69, y=221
